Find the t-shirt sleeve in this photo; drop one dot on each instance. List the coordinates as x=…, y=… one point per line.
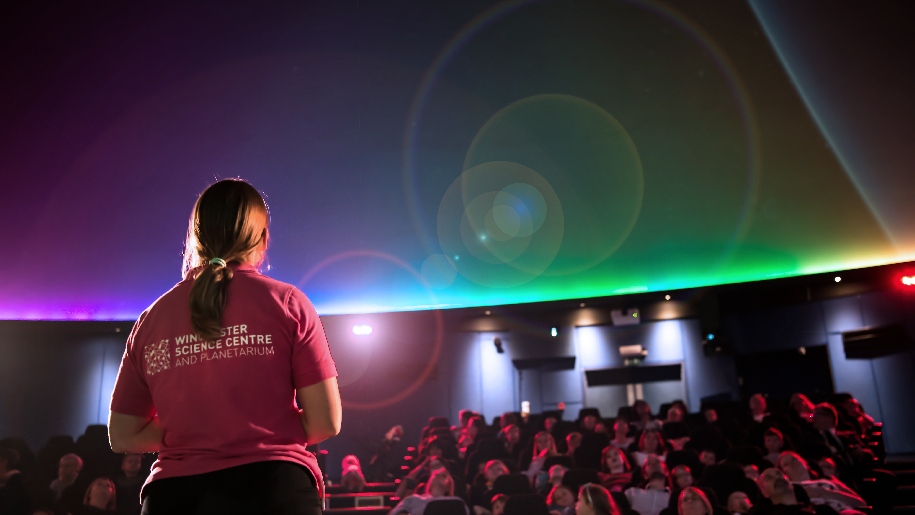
x=311, y=359
x=131, y=394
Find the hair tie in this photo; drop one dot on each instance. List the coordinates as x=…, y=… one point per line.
x=218, y=261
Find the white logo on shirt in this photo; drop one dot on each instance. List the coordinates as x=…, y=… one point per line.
x=157, y=357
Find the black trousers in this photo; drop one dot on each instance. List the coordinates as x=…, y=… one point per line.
x=267, y=487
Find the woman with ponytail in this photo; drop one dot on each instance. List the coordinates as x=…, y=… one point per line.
x=228, y=376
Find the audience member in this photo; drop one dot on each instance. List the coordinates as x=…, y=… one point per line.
x=440, y=486
x=739, y=503
x=352, y=479
x=782, y=498
x=828, y=491
x=616, y=470
x=595, y=500
x=573, y=441
x=14, y=499
x=651, y=443
x=100, y=498
x=561, y=499
x=498, y=504
x=68, y=470
x=128, y=484
x=774, y=441
x=693, y=501
x=621, y=436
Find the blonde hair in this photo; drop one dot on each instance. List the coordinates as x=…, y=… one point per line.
x=229, y=222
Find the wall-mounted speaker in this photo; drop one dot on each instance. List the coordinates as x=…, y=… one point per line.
x=877, y=342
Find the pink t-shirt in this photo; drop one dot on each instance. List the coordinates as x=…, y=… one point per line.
x=231, y=401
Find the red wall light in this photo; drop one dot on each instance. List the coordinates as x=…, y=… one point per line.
x=908, y=280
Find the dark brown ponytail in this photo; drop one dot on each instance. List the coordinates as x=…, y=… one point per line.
x=229, y=222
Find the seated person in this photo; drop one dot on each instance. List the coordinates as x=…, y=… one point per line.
x=440, y=486
x=128, y=485
x=595, y=500
x=100, y=499
x=561, y=499
x=782, y=498
x=739, y=503
x=774, y=441
x=616, y=471
x=651, y=443
x=352, y=479
x=481, y=491
x=829, y=491
x=693, y=501
x=621, y=436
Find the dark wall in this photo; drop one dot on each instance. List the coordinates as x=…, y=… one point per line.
x=56, y=378
x=882, y=385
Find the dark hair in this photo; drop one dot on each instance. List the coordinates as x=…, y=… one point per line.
x=599, y=498
x=229, y=221
x=622, y=454
x=824, y=409
x=662, y=445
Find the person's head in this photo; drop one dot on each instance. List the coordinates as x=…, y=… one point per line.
x=544, y=441
x=352, y=478
x=851, y=406
x=773, y=440
x=556, y=473
x=507, y=419
x=494, y=469
x=642, y=409
x=101, y=494
x=476, y=424
x=651, y=442
x=793, y=466
x=351, y=461
x=828, y=467
x=464, y=416
x=573, y=440
x=68, y=467
x=801, y=405
x=621, y=428
x=693, y=501
x=431, y=447
x=588, y=422
x=767, y=481
x=131, y=464
x=498, y=504
x=708, y=457
x=653, y=465
x=657, y=481
x=512, y=434
x=825, y=417
x=561, y=495
x=751, y=472
x=228, y=224
x=548, y=423
x=675, y=414
x=614, y=460
x=440, y=483
x=711, y=415
x=595, y=500
x=682, y=476
x=738, y=502
x=758, y=404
